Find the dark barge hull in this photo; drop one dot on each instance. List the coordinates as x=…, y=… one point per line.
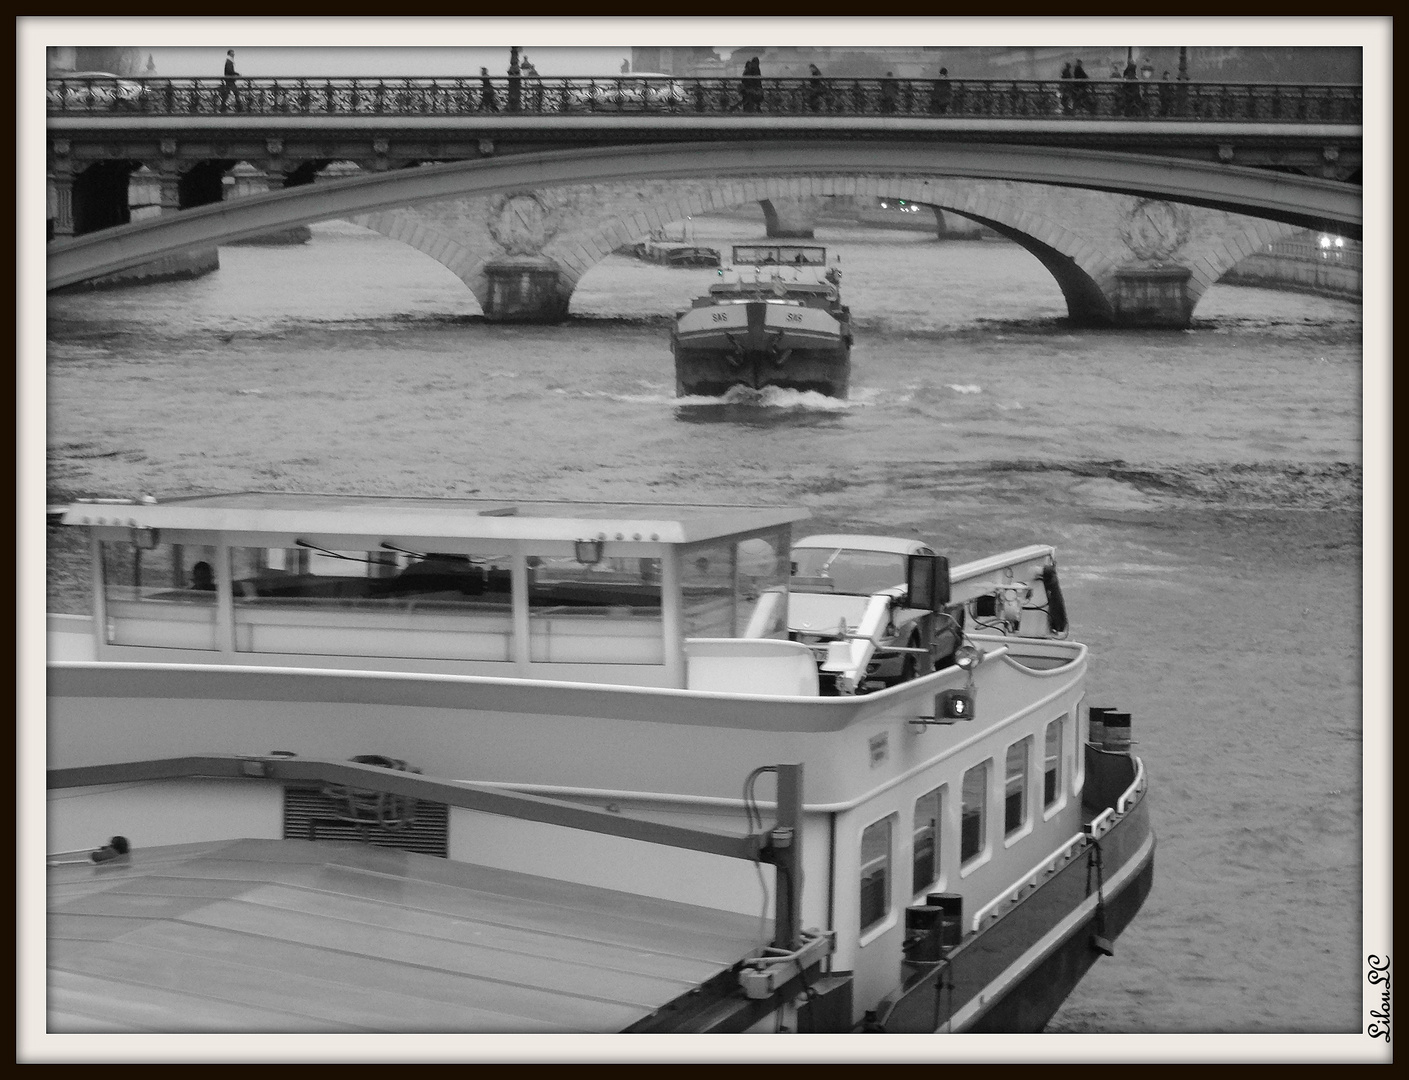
x=1014, y=974
x=712, y=373
x=756, y=344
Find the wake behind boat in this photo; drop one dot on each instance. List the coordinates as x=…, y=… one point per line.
x=335, y=763
x=774, y=318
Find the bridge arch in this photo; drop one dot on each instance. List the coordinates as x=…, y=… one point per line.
x=1292, y=199
x=1079, y=268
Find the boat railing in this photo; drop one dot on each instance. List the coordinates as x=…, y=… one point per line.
x=1059, y=857
x=1134, y=791
x=1099, y=826
x=1103, y=822
x=779, y=844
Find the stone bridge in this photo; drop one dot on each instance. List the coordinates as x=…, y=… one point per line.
x=1118, y=259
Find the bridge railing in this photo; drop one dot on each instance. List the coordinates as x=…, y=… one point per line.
x=1071, y=99
x=1347, y=254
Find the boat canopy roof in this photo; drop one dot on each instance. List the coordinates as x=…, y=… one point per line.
x=518, y=519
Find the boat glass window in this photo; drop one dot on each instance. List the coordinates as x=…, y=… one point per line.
x=875, y=873
x=324, y=601
x=162, y=596
x=606, y=612
x=973, y=813
x=724, y=582
x=928, y=809
x=1052, y=775
x=1015, y=786
x=849, y=571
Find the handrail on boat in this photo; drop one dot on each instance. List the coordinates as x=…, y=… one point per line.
x=1048, y=865
x=1137, y=786
x=1101, y=824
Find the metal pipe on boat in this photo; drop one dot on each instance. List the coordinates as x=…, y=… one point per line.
x=1096, y=725
x=1117, y=738
x=786, y=842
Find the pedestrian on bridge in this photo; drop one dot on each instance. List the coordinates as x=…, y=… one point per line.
x=1064, y=94
x=1080, y=95
x=514, y=79
x=816, y=89
x=751, y=89
x=1130, y=93
x=227, y=84
x=940, y=93
x=487, y=100
x=888, y=93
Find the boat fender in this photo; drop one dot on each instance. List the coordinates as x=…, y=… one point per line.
x=1056, y=605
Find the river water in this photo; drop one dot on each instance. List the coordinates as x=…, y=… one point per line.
x=1203, y=489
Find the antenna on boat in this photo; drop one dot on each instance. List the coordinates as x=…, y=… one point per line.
x=404, y=551
x=336, y=554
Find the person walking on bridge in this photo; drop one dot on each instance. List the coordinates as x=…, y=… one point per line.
x=816, y=89
x=940, y=93
x=487, y=100
x=1080, y=95
x=888, y=95
x=751, y=89
x=227, y=84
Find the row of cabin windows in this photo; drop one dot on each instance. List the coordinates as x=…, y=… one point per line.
x=720, y=584
x=929, y=812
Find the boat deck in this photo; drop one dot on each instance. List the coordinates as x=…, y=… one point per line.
x=298, y=936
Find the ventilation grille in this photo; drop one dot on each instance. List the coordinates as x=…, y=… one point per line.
x=311, y=815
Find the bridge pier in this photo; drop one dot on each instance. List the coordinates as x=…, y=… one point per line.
x=1152, y=296
x=524, y=289
x=245, y=179
x=790, y=219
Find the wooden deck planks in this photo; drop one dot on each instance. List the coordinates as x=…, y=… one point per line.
x=90, y=927
x=354, y=1004
x=471, y=960
x=592, y=915
x=296, y=936
x=562, y=945
x=281, y=959
x=158, y=1010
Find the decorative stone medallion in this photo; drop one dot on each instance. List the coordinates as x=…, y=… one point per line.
x=522, y=223
x=1154, y=230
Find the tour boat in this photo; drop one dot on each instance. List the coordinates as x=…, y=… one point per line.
x=774, y=318
x=326, y=763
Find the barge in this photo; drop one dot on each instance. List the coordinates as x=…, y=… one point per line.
x=774, y=318
x=322, y=763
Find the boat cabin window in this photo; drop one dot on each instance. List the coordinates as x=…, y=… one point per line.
x=565, y=596
x=843, y=570
x=162, y=596
x=1015, y=786
x=875, y=873
x=1052, y=773
x=973, y=813
x=929, y=809
x=725, y=583
x=779, y=255
x=322, y=601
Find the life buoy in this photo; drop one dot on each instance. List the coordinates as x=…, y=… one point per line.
x=1056, y=606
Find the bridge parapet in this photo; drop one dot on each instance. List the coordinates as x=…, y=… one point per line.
x=627, y=95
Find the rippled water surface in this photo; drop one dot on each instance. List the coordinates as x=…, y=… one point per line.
x=1202, y=488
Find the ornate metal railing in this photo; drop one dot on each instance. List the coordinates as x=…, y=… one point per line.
x=1347, y=254
x=475, y=96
